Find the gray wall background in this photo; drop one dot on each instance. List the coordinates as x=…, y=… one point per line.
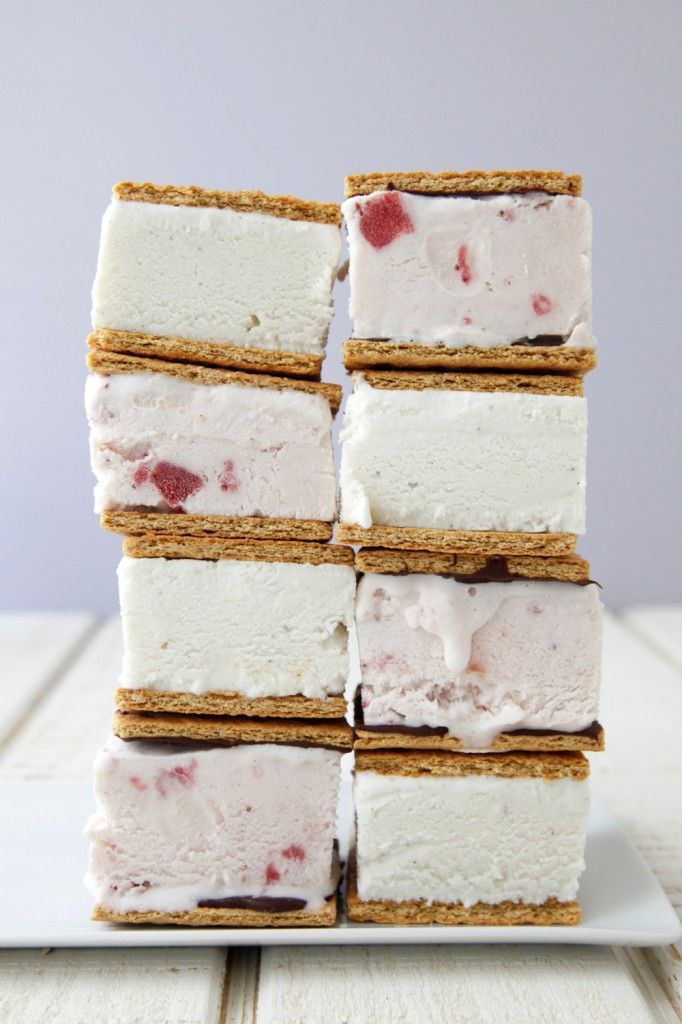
x=289, y=98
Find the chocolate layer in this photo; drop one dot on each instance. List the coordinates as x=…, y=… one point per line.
x=266, y=904
x=550, y=340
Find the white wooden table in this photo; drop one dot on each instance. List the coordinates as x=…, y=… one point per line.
x=58, y=674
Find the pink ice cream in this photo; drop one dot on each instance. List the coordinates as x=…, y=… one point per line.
x=478, y=659
x=176, y=826
x=164, y=443
x=457, y=270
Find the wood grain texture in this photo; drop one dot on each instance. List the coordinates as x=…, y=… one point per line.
x=449, y=985
x=100, y=986
x=35, y=648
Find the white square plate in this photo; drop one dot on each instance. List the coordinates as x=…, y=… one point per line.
x=43, y=902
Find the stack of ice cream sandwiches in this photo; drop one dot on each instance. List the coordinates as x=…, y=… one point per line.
x=210, y=442
x=463, y=482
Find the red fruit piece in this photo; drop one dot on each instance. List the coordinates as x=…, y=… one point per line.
x=137, y=783
x=271, y=874
x=141, y=476
x=294, y=852
x=184, y=774
x=541, y=304
x=462, y=266
x=383, y=218
x=174, y=483
x=228, y=481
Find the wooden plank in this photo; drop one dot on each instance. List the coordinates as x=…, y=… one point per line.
x=35, y=648
x=73, y=721
x=99, y=986
x=660, y=627
x=452, y=985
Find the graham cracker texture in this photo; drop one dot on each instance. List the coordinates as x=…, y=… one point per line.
x=446, y=183
x=228, y=703
x=287, y=207
x=106, y=363
x=477, y=542
x=447, y=764
x=179, y=526
x=552, y=912
x=216, y=549
x=532, y=384
x=221, y=731
x=360, y=354
x=473, y=567
x=521, y=740
x=224, y=917
x=209, y=353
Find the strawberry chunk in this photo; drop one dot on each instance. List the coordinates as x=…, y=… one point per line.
x=541, y=304
x=271, y=874
x=462, y=266
x=175, y=483
x=383, y=219
x=294, y=852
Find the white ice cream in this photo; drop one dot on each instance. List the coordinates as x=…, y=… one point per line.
x=177, y=825
x=469, y=839
x=246, y=279
x=462, y=460
x=256, y=628
x=478, y=659
x=460, y=271
x=165, y=443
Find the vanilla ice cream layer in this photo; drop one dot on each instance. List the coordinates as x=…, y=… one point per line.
x=175, y=826
x=260, y=629
x=212, y=274
x=469, y=839
x=464, y=460
x=478, y=659
x=458, y=271
x=165, y=443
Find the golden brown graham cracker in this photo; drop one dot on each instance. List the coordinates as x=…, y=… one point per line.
x=552, y=912
x=520, y=740
x=533, y=384
x=216, y=548
x=181, y=525
x=449, y=764
x=464, y=182
x=481, y=542
x=107, y=363
x=287, y=207
x=209, y=353
x=229, y=703
x=219, y=730
x=565, y=568
x=224, y=917
x=360, y=354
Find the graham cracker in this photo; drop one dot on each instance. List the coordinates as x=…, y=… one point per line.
x=552, y=912
x=360, y=354
x=210, y=353
x=179, y=525
x=224, y=917
x=448, y=764
x=216, y=549
x=229, y=703
x=473, y=568
x=534, y=384
x=526, y=740
x=480, y=542
x=226, y=730
x=287, y=207
x=450, y=183
x=107, y=363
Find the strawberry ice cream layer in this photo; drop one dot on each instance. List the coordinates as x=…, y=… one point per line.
x=164, y=443
x=246, y=279
x=259, y=629
x=469, y=839
x=478, y=659
x=176, y=826
x=453, y=270
x=461, y=460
